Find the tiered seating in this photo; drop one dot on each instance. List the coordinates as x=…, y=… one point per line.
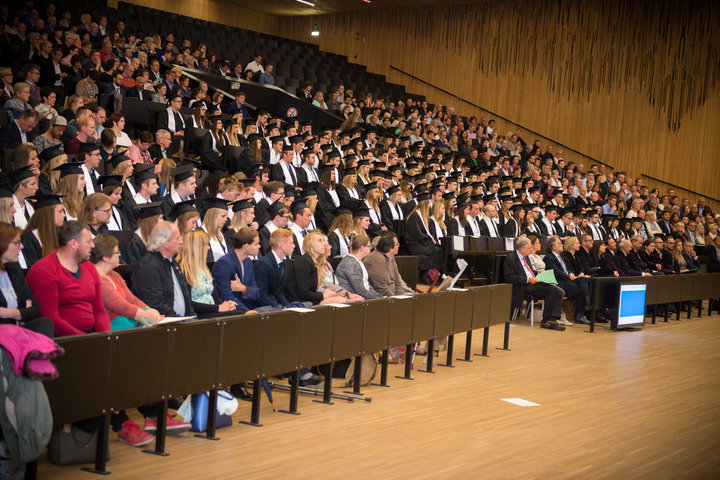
x=295, y=61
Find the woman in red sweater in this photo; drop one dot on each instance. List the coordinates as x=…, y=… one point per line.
x=124, y=309
x=67, y=286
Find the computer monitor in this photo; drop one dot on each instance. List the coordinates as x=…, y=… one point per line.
x=631, y=306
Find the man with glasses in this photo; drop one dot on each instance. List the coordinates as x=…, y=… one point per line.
x=32, y=77
x=170, y=119
x=89, y=156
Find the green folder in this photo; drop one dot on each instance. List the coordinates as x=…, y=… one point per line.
x=548, y=276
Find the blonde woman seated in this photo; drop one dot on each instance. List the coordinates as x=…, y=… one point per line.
x=651, y=226
x=304, y=274
x=329, y=280
x=191, y=259
x=124, y=309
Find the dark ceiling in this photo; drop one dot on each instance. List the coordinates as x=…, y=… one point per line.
x=325, y=7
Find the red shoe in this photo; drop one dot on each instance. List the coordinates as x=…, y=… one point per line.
x=132, y=435
x=172, y=426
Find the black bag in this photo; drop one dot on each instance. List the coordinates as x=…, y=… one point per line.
x=73, y=446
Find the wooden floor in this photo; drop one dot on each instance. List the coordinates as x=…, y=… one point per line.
x=623, y=405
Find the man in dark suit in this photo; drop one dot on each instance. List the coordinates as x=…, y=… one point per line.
x=270, y=269
x=589, y=262
x=116, y=86
x=518, y=272
x=576, y=287
x=18, y=131
x=138, y=91
x=233, y=274
x=279, y=217
x=691, y=258
x=165, y=147
x=238, y=104
x=623, y=261
x=664, y=222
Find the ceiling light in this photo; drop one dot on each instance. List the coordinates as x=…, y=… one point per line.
x=306, y=3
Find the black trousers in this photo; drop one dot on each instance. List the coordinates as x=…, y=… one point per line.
x=552, y=295
x=578, y=292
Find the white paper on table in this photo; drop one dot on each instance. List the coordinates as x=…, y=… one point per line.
x=401, y=296
x=520, y=402
x=299, y=309
x=462, y=265
x=458, y=243
x=175, y=319
x=338, y=305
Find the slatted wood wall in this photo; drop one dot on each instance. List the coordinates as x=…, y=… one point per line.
x=634, y=84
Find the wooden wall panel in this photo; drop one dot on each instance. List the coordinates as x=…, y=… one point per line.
x=633, y=84
x=215, y=11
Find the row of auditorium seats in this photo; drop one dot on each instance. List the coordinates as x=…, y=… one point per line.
x=295, y=61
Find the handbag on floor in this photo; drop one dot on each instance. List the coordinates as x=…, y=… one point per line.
x=70, y=445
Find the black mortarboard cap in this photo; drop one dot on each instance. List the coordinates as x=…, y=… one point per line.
x=69, y=169
x=111, y=181
x=18, y=175
x=46, y=199
x=144, y=174
x=180, y=208
x=180, y=174
x=242, y=205
x=147, y=210
x=52, y=152
x=87, y=147
x=117, y=159
x=215, y=202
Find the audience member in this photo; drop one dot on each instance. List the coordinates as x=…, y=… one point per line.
x=67, y=285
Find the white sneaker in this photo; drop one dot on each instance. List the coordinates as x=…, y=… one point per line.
x=564, y=321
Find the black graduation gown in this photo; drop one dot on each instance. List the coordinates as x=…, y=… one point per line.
x=32, y=250
x=264, y=235
x=334, y=241
x=420, y=243
x=134, y=251
x=326, y=210
x=344, y=195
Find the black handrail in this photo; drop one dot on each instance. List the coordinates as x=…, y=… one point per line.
x=501, y=117
x=681, y=188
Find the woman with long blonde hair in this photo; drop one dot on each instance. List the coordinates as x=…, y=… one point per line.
x=306, y=273
x=437, y=220
x=213, y=224
x=419, y=235
x=72, y=187
x=234, y=134
x=191, y=259
x=341, y=231
x=49, y=176
x=372, y=196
